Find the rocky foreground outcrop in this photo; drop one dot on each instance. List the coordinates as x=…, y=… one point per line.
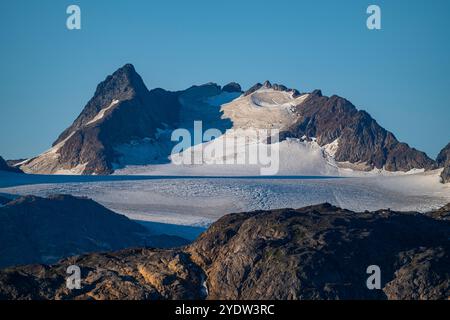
x=44, y=230
x=317, y=252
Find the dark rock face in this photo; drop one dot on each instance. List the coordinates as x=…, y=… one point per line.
x=137, y=115
x=253, y=89
x=442, y=213
x=4, y=166
x=232, y=87
x=130, y=112
x=443, y=157
x=445, y=174
x=317, y=252
x=134, y=274
x=361, y=138
x=43, y=230
x=443, y=160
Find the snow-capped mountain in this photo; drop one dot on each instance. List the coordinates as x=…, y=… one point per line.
x=122, y=110
x=126, y=125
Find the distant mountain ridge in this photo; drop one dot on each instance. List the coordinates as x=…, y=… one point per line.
x=125, y=123
x=44, y=230
x=360, y=138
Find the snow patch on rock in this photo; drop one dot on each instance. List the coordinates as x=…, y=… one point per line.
x=263, y=109
x=102, y=112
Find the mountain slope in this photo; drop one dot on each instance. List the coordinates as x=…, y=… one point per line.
x=121, y=110
x=361, y=140
x=43, y=230
x=443, y=157
x=443, y=160
x=317, y=252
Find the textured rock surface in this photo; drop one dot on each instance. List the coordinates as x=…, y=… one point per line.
x=317, y=252
x=43, y=230
x=443, y=157
x=361, y=138
x=322, y=252
x=443, y=160
x=130, y=112
x=445, y=175
x=232, y=87
x=131, y=274
x=122, y=111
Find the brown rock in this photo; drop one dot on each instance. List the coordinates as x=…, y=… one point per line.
x=317, y=252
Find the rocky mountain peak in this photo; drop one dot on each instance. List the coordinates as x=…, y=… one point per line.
x=317, y=93
x=252, y=89
x=267, y=84
x=232, y=87
x=122, y=84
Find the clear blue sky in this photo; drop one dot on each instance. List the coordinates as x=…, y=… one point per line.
x=400, y=75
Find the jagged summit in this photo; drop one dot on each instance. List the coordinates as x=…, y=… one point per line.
x=232, y=87
x=268, y=85
x=124, y=84
x=121, y=110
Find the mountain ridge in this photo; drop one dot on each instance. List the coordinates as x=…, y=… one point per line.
x=361, y=138
x=44, y=230
x=123, y=112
